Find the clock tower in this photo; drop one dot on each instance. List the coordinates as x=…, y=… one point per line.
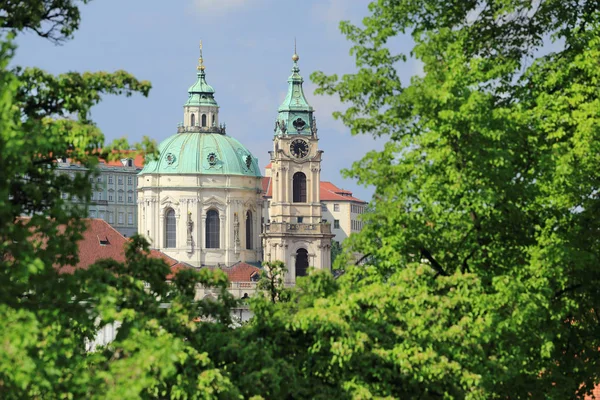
x=295, y=233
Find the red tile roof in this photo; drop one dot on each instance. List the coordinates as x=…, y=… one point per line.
x=329, y=192
x=138, y=161
x=269, y=166
x=176, y=268
x=238, y=272
x=595, y=394
x=100, y=241
x=267, y=189
x=241, y=272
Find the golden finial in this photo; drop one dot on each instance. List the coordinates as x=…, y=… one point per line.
x=200, y=66
x=295, y=57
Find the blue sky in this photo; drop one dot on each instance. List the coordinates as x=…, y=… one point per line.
x=248, y=46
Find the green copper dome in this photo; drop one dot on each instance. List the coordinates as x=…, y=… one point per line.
x=203, y=153
x=295, y=115
x=201, y=93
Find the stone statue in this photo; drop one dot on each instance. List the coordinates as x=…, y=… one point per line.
x=190, y=227
x=313, y=126
x=236, y=230
x=282, y=126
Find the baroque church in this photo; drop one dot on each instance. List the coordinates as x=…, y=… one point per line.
x=200, y=202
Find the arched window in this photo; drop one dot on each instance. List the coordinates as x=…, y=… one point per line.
x=213, y=229
x=301, y=262
x=213, y=120
x=170, y=229
x=203, y=119
x=249, y=230
x=299, y=188
x=193, y=120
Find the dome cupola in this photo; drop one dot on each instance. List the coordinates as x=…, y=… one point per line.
x=201, y=111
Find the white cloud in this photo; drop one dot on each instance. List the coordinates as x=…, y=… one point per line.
x=219, y=6
x=331, y=11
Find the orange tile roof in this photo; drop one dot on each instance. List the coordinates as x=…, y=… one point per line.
x=329, y=192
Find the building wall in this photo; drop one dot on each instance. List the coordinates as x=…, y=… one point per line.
x=114, y=197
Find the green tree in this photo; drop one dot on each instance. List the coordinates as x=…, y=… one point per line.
x=483, y=241
x=336, y=250
x=50, y=318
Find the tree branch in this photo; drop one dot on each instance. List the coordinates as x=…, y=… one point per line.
x=434, y=264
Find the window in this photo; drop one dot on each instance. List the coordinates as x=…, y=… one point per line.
x=92, y=213
x=101, y=215
x=323, y=207
x=99, y=196
x=299, y=188
x=336, y=207
x=130, y=218
x=193, y=120
x=203, y=119
x=120, y=180
x=130, y=199
x=300, y=220
x=213, y=230
x=110, y=218
x=99, y=179
x=120, y=198
x=170, y=228
x=336, y=224
x=249, y=230
x=130, y=162
x=121, y=218
x=130, y=180
x=301, y=262
x=110, y=179
x=213, y=120
x=110, y=197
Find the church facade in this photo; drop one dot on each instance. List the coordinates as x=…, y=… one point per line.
x=201, y=201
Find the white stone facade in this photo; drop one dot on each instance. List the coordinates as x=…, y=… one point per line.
x=191, y=197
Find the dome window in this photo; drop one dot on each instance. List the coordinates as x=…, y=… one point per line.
x=248, y=161
x=170, y=158
x=212, y=159
x=203, y=119
x=193, y=120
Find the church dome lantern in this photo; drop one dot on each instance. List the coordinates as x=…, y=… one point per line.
x=201, y=111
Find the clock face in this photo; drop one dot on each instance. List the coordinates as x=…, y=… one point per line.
x=299, y=148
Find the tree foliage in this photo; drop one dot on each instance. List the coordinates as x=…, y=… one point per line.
x=485, y=216
x=480, y=274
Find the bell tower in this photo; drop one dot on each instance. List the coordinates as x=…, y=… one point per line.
x=295, y=233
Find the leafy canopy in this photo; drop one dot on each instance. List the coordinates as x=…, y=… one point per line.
x=486, y=212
